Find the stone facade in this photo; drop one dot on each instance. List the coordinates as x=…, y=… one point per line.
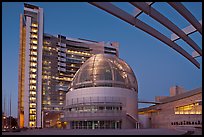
x=164, y=116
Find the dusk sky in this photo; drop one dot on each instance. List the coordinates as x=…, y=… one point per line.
x=157, y=66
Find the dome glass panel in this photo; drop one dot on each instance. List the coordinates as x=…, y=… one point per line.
x=104, y=70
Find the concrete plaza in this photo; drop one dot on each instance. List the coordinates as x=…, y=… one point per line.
x=102, y=132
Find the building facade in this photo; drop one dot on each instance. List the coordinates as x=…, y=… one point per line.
x=30, y=67
x=182, y=109
x=47, y=65
x=102, y=95
x=62, y=57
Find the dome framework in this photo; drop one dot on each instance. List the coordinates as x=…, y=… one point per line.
x=104, y=70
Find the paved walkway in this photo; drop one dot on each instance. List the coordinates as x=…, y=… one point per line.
x=98, y=132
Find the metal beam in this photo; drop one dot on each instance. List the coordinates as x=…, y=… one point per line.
x=149, y=102
x=138, y=11
x=167, y=23
x=187, y=15
x=188, y=30
x=110, y=8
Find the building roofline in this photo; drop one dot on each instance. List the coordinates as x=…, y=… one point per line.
x=182, y=95
x=30, y=6
x=173, y=98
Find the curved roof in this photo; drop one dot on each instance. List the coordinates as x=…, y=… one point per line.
x=146, y=7
x=104, y=70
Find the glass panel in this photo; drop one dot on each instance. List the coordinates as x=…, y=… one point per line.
x=104, y=70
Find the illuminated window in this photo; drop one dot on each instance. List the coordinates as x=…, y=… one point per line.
x=32, y=81
x=33, y=64
x=32, y=124
x=34, y=30
x=33, y=58
x=32, y=118
x=61, y=103
x=56, y=108
x=45, y=77
x=34, y=36
x=32, y=105
x=33, y=47
x=32, y=92
x=33, y=69
x=32, y=87
x=44, y=102
x=32, y=111
x=193, y=108
x=32, y=98
x=33, y=53
x=34, y=41
x=45, y=62
x=33, y=76
x=46, y=42
x=34, y=25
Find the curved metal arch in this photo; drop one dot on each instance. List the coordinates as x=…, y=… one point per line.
x=178, y=6
x=110, y=8
x=167, y=23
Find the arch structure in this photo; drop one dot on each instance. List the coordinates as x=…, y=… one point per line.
x=146, y=7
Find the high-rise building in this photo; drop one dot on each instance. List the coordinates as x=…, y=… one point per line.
x=62, y=57
x=47, y=65
x=30, y=67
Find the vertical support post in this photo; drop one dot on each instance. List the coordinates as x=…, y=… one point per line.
x=10, y=113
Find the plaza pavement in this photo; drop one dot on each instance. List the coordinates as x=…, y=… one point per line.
x=99, y=132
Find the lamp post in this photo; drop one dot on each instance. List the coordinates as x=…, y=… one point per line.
x=10, y=114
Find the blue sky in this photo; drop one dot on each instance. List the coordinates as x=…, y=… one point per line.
x=157, y=67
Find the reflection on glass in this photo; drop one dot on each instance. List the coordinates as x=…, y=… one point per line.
x=104, y=70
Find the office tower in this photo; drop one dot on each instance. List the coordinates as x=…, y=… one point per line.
x=62, y=57
x=30, y=67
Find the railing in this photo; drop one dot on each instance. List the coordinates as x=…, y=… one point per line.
x=112, y=114
x=95, y=100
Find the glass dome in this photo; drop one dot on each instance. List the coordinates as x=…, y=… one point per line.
x=104, y=70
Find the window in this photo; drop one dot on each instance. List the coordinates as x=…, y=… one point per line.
x=32, y=87
x=32, y=111
x=33, y=58
x=33, y=69
x=32, y=105
x=34, y=30
x=34, y=36
x=33, y=47
x=34, y=41
x=34, y=25
x=32, y=124
x=32, y=117
x=32, y=81
x=193, y=108
x=33, y=53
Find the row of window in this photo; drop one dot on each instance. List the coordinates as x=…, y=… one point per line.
x=187, y=123
x=33, y=75
x=104, y=84
x=78, y=52
x=106, y=124
x=194, y=108
x=94, y=108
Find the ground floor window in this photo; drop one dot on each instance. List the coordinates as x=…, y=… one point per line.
x=106, y=124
